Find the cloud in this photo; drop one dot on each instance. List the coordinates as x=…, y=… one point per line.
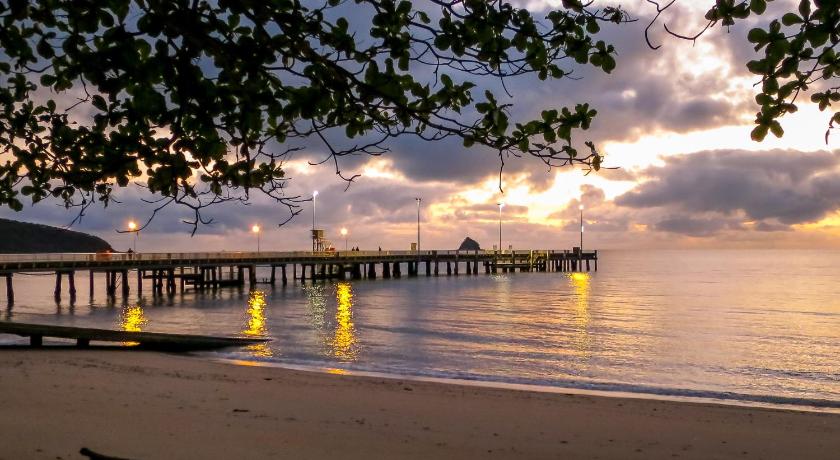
x=704, y=193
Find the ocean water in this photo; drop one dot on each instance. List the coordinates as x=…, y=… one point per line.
x=740, y=325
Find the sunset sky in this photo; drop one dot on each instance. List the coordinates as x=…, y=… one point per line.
x=675, y=121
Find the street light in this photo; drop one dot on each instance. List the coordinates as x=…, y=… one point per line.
x=132, y=227
x=344, y=234
x=501, y=205
x=314, y=242
x=581, y=234
x=418, y=223
x=256, y=230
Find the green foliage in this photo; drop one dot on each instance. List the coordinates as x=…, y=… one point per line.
x=202, y=101
x=799, y=53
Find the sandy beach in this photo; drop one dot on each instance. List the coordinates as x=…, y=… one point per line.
x=145, y=405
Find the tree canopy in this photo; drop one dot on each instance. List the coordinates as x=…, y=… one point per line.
x=800, y=53
x=201, y=102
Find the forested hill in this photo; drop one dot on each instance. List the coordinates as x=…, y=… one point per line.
x=22, y=237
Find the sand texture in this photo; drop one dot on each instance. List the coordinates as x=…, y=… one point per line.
x=143, y=405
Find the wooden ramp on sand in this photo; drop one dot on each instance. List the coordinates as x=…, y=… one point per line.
x=148, y=340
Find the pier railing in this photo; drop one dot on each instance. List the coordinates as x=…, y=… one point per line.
x=234, y=256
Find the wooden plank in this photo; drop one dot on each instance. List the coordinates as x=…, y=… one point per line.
x=154, y=340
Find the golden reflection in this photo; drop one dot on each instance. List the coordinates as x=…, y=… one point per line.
x=581, y=287
x=336, y=371
x=132, y=318
x=256, y=324
x=344, y=341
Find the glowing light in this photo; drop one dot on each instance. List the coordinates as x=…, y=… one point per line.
x=256, y=323
x=132, y=318
x=256, y=315
x=580, y=207
x=344, y=341
x=343, y=232
x=132, y=226
x=315, y=193
x=581, y=287
x=255, y=228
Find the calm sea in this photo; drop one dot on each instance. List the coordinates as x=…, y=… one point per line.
x=743, y=325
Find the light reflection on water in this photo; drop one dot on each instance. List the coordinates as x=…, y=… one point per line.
x=132, y=318
x=344, y=342
x=580, y=287
x=716, y=321
x=256, y=324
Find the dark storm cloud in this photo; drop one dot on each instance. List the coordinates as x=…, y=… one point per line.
x=774, y=189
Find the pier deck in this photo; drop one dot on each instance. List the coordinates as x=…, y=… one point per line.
x=153, y=340
x=216, y=269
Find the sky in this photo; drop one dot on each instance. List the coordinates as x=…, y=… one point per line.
x=675, y=122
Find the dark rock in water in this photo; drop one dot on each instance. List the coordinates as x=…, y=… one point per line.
x=469, y=244
x=22, y=237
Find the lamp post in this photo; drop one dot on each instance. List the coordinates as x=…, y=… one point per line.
x=418, y=223
x=344, y=234
x=501, y=205
x=580, y=256
x=256, y=229
x=132, y=227
x=314, y=242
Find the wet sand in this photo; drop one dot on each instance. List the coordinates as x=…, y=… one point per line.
x=143, y=405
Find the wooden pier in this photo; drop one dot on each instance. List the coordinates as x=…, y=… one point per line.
x=167, y=272
x=150, y=340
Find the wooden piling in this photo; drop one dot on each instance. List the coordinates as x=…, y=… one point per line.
x=90, y=284
x=112, y=284
x=71, y=282
x=283, y=275
x=170, y=286
x=386, y=269
x=57, y=292
x=124, y=284
x=10, y=290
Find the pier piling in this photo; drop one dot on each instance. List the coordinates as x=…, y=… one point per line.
x=10, y=290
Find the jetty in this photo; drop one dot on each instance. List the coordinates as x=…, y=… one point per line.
x=211, y=270
x=149, y=340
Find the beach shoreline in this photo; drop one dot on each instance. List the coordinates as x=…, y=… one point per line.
x=146, y=405
x=594, y=389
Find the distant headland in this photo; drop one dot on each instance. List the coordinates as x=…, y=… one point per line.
x=23, y=237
